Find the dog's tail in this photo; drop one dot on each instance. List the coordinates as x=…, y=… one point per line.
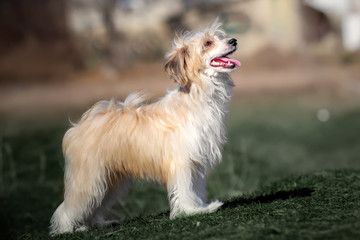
x=134, y=100
x=102, y=107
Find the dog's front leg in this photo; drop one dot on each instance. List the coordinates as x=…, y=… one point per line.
x=199, y=182
x=199, y=186
x=187, y=191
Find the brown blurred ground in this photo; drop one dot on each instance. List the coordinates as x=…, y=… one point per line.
x=268, y=74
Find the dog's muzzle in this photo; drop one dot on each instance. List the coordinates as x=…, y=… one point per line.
x=232, y=42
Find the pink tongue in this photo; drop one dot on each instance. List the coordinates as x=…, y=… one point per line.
x=226, y=59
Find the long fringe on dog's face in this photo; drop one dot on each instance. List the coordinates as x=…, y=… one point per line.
x=201, y=53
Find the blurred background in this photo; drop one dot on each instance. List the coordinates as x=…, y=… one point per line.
x=295, y=108
x=57, y=57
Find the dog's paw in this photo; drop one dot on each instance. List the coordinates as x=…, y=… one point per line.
x=81, y=229
x=108, y=223
x=192, y=210
x=214, y=206
x=112, y=223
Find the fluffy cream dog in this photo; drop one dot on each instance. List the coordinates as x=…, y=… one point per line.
x=176, y=140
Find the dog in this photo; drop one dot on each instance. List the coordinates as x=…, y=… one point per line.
x=175, y=140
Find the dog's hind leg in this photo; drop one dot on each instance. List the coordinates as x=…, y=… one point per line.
x=115, y=193
x=84, y=192
x=71, y=213
x=61, y=220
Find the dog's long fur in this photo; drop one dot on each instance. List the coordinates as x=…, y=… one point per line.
x=176, y=140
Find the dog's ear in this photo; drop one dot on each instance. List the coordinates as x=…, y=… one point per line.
x=177, y=67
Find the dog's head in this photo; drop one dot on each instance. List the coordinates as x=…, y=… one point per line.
x=201, y=52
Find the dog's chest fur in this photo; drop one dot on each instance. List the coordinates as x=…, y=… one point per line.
x=206, y=124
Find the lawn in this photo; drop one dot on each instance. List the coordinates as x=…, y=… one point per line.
x=285, y=175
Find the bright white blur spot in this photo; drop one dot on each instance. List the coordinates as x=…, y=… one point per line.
x=323, y=115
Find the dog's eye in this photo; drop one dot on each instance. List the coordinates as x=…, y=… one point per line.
x=208, y=43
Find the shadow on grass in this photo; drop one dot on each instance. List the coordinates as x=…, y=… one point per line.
x=281, y=195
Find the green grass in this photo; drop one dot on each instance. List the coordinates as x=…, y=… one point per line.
x=284, y=175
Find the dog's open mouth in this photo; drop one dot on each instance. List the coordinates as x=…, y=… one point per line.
x=225, y=62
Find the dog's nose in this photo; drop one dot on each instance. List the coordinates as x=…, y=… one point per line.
x=232, y=42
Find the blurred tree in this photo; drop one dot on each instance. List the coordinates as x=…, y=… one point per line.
x=39, y=28
x=44, y=20
x=316, y=24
